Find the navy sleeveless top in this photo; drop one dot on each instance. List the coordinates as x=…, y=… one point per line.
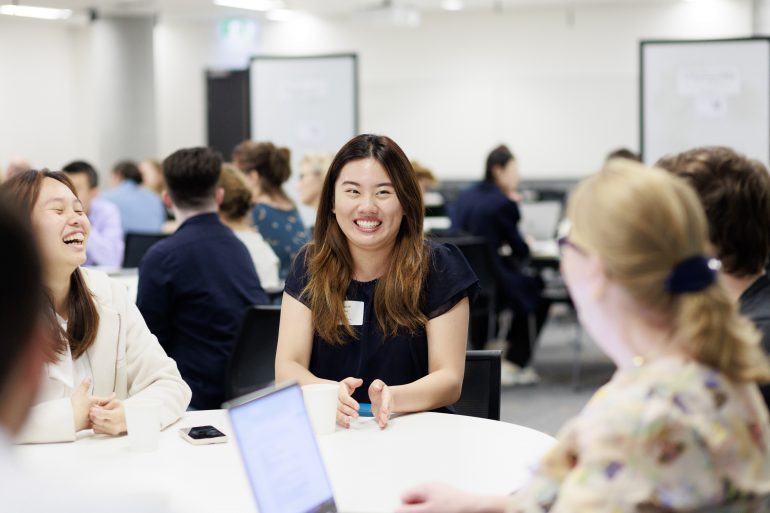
x=395, y=360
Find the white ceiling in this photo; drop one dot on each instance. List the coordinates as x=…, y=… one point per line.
x=206, y=8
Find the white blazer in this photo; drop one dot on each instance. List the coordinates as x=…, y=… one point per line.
x=125, y=358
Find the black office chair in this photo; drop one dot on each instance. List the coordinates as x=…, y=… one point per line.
x=480, y=396
x=252, y=362
x=137, y=245
x=484, y=310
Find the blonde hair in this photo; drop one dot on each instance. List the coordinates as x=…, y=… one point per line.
x=317, y=162
x=423, y=173
x=237, y=201
x=641, y=222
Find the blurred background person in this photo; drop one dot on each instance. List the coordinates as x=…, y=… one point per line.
x=234, y=211
x=735, y=193
x=16, y=166
x=105, y=244
x=434, y=201
x=152, y=175
x=624, y=153
x=312, y=171
x=267, y=168
x=489, y=210
x=141, y=211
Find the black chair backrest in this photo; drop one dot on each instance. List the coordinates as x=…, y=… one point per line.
x=477, y=253
x=137, y=245
x=480, y=396
x=252, y=362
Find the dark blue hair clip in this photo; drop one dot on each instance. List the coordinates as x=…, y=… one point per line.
x=692, y=274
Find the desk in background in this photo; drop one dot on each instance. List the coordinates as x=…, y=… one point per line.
x=369, y=468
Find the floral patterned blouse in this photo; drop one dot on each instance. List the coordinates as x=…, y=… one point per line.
x=671, y=434
x=283, y=230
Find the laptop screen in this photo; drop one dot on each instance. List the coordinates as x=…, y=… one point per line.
x=281, y=455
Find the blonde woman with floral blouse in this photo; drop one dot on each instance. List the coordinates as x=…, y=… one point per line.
x=681, y=425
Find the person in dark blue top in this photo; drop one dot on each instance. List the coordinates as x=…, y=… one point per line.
x=369, y=303
x=489, y=209
x=195, y=286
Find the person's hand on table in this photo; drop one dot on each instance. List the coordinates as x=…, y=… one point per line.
x=347, y=407
x=441, y=498
x=82, y=402
x=109, y=417
x=382, y=402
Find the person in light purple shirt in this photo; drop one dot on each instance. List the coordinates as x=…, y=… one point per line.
x=105, y=243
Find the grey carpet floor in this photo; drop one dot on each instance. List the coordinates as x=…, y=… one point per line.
x=561, y=394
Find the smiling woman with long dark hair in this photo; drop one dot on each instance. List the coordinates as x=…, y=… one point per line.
x=103, y=354
x=369, y=303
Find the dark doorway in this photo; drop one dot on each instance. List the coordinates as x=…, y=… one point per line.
x=228, y=109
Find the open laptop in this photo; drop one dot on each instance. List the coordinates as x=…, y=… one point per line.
x=280, y=453
x=540, y=219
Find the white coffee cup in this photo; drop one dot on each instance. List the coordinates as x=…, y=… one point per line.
x=321, y=404
x=143, y=424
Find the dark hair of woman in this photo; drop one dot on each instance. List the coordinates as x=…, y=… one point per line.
x=398, y=294
x=499, y=157
x=22, y=191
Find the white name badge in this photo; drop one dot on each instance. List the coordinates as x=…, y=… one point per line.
x=354, y=311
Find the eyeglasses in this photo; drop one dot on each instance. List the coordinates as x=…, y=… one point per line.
x=563, y=242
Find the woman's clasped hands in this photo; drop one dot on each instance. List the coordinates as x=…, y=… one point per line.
x=379, y=395
x=105, y=415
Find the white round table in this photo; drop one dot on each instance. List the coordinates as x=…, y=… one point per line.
x=369, y=468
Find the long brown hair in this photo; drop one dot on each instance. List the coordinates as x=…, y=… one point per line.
x=398, y=293
x=22, y=191
x=641, y=222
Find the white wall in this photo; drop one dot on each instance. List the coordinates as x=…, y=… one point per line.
x=561, y=89
x=184, y=50
x=121, y=73
x=80, y=91
x=39, y=96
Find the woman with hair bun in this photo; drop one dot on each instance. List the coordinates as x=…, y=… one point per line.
x=681, y=425
x=275, y=216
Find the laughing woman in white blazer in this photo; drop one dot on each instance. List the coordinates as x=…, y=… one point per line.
x=102, y=354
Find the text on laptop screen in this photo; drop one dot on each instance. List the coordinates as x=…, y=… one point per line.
x=280, y=453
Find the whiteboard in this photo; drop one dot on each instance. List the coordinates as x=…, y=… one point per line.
x=698, y=93
x=308, y=104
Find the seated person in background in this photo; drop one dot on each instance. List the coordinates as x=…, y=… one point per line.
x=103, y=354
x=234, y=213
x=735, y=193
x=369, y=303
x=141, y=211
x=681, y=424
x=275, y=216
x=312, y=171
x=489, y=210
x=434, y=201
x=105, y=243
x=152, y=175
x=196, y=285
x=16, y=166
x=623, y=153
